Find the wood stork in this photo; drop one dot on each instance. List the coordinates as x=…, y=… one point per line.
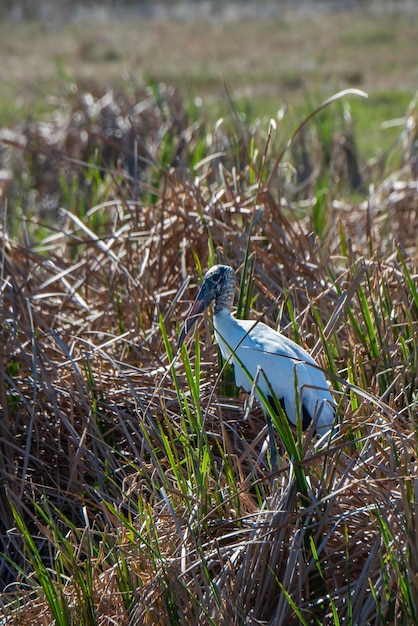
x=275, y=362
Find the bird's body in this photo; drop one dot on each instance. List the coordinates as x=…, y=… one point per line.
x=260, y=353
x=263, y=349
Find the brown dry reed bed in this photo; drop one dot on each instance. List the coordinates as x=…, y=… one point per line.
x=134, y=485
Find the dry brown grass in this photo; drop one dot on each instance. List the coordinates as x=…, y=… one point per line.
x=169, y=510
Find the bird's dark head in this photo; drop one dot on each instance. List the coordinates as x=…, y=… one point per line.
x=219, y=286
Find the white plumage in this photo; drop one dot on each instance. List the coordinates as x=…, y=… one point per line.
x=277, y=363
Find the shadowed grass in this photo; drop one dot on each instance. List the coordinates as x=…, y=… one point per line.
x=133, y=488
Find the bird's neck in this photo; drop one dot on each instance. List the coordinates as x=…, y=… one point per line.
x=221, y=306
x=223, y=323
x=225, y=300
x=221, y=312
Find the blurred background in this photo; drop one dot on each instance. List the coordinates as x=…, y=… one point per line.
x=27, y=9
x=274, y=55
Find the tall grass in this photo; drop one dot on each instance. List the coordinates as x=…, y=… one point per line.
x=133, y=489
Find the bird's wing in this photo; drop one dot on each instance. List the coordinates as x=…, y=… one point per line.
x=283, y=363
x=262, y=337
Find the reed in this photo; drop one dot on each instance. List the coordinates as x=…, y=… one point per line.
x=133, y=488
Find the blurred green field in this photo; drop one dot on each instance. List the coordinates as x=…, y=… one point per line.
x=268, y=64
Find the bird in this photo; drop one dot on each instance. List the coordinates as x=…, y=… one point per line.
x=282, y=369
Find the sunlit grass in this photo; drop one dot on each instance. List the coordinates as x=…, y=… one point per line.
x=136, y=486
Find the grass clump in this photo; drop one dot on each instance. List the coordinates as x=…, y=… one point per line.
x=132, y=489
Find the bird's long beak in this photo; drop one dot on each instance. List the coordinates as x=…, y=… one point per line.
x=199, y=305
